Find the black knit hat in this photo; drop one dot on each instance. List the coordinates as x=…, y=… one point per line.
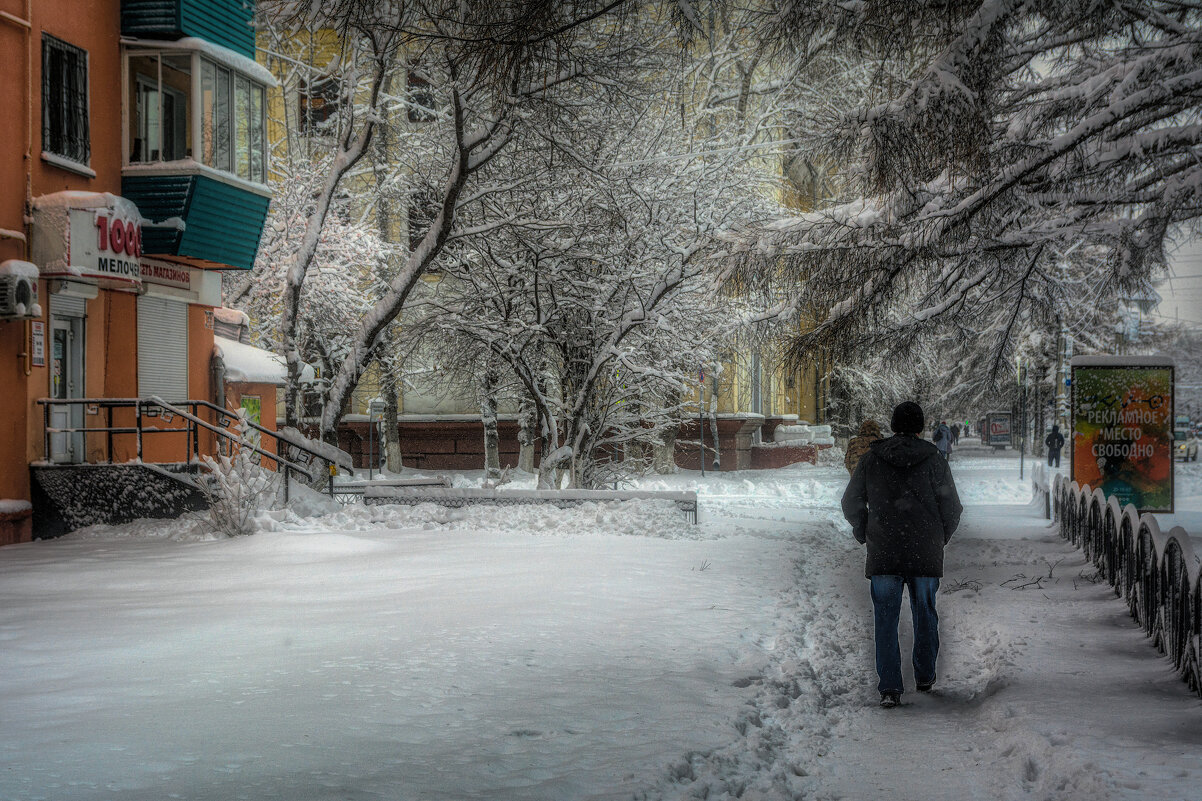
x=907, y=418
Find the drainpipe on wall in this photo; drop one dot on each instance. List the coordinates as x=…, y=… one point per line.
x=217, y=365
x=27, y=212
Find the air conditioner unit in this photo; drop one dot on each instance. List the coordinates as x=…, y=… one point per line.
x=19, y=291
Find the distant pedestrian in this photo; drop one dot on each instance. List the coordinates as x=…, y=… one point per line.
x=870, y=432
x=1054, y=441
x=902, y=504
x=942, y=437
x=955, y=433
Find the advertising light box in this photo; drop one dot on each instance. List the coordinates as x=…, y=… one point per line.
x=1122, y=437
x=997, y=429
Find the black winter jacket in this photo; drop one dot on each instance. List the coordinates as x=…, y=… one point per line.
x=902, y=504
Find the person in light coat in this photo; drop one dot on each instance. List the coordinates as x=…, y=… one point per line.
x=942, y=437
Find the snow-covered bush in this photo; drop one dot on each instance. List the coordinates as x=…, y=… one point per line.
x=237, y=489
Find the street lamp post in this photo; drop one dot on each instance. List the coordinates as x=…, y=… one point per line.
x=1022, y=416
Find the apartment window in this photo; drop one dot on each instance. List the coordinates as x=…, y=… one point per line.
x=318, y=101
x=161, y=128
x=232, y=123
x=161, y=122
x=65, y=100
x=216, y=116
x=421, y=99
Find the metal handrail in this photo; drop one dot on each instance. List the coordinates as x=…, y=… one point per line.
x=190, y=431
x=257, y=427
x=225, y=433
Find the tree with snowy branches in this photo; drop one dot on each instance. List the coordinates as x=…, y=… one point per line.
x=491, y=67
x=597, y=294
x=997, y=138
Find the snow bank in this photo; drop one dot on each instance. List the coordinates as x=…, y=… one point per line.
x=11, y=506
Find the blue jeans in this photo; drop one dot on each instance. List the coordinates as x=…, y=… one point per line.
x=886, y=604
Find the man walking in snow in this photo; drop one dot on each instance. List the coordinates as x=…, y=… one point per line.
x=1054, y=441
x=902, y=503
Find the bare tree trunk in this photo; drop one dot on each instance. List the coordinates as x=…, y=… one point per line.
x=488, y=415
x=550, y=470
x=527, y=421
x=389, y=388
x=475, y=149
x=713, y=418
x=663, y=458
x=352, y=146
x=392, y=429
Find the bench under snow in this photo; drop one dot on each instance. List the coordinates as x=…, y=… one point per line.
x=374, y=494
x=803, y=434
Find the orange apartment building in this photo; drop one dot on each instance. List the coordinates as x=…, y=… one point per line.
x=132, y=171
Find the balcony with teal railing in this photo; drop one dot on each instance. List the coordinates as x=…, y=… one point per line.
x=196, y=153
x=223, y=22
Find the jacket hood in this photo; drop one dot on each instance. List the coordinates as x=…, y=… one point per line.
x=902, y=450
x=870, y=428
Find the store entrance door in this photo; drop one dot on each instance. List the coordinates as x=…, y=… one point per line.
x=66, y=381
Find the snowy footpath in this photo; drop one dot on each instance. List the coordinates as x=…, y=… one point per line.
x=598, y=652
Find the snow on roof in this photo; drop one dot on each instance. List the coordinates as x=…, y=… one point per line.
x=18, y=267
x=81, y=199
x=223, y=56
x=13, y=506
x=232, y=316
x=251, y=365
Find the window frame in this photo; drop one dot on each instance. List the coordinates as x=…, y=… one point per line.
x=314, y=120
x=222, y=73
x=70, y=161
x=419, y=88
x=159, y=89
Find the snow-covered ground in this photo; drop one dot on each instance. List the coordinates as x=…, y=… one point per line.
x=589, y=653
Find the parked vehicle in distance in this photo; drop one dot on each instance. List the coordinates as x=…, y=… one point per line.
x=1185, y=444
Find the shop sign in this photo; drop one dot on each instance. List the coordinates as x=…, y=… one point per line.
x=1122, y=438
x=91, y=236
x=111, y=249
x=39, y=343
x=156, y=271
